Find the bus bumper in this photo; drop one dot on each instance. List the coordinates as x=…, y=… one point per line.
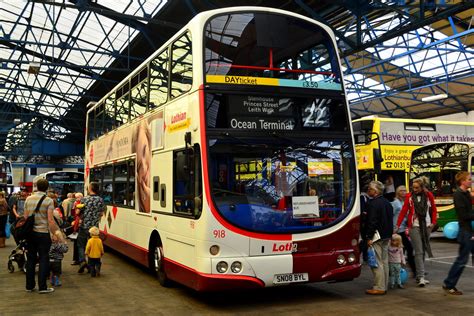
x=209, y=282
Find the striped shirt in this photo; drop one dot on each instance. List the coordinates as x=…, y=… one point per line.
x=41, y=218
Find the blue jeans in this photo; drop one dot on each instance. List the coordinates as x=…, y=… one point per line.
x=395, y=273
x=82, y=238
x=38, y=244
x=466, y=247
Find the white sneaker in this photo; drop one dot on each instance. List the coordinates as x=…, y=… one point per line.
x=46, y=291
x=421, y=282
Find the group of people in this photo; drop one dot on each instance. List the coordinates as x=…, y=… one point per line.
x=46, y=244
x=405, y=225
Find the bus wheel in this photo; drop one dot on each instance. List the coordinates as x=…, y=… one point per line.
x=157, y=264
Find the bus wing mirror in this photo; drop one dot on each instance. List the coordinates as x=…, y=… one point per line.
x=378, y=159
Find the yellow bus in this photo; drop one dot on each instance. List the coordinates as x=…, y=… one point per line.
x=440, y=163
x=384, y=145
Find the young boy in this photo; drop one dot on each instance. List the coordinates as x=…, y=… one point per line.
x=56, y=253
x=94, y=251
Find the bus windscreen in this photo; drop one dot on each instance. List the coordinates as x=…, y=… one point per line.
x=271, y=50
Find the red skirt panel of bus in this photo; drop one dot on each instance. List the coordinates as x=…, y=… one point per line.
x=317, y=257
x=209, y=282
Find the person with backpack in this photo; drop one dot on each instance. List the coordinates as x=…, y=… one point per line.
x=39, y=241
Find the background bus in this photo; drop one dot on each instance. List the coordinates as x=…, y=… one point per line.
x=6, y=175
x=228, y=157
x=396, y=139
x=62, y=182
x=440, y=163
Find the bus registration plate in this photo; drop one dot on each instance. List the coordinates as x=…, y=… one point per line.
x=290, y=278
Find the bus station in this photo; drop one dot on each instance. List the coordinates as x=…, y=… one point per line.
x=261, y=157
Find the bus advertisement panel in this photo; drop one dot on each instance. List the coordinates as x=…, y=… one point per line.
x=244, y=175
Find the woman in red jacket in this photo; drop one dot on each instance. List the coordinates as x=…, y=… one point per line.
x=422, y=215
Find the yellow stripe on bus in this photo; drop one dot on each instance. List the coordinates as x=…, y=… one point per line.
x=242, y=80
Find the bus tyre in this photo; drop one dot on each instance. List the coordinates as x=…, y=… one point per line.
x=157, y=264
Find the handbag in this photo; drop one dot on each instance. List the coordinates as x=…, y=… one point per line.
x=371, y=258
x=7, y=229
x=23, y=227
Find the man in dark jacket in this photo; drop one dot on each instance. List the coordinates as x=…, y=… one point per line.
x=463, y=205
x=379, y=227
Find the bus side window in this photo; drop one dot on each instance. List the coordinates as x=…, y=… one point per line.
x=163, y=195
x=181, y=65
x=156, y=192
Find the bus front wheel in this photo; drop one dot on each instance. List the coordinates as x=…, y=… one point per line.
x=157, y=264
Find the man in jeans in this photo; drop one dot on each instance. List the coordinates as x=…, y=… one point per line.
x=90, y=214
x=463, y=205
x=39, y=242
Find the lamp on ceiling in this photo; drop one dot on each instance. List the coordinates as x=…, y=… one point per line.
x=34, y=68
x=435, y=97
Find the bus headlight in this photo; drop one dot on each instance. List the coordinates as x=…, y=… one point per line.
x=236, y=267
x=214, y=250
x=222, y=267
x=341, y=260
x=351, y=258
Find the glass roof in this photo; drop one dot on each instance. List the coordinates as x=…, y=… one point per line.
x=424, y=52
x=69, y=48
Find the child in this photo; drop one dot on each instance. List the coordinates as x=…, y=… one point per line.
x=56, y=252
x=396, y=259
x=76, y=219
x=94, y=251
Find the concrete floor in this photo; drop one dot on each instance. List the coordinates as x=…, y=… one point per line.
x=125, y=288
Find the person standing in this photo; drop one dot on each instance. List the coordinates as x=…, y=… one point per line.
x=3, y=218
x=93, y=208
x=94, y=251
x=39, y=242
x=67, y=205
x=364, y=202
x=463, y=205
x=379, y=231
x=19, y=206
x=400, y=194
x=422, y=216
x=389, y=188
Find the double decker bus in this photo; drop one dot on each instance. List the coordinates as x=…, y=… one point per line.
x=6, y=175
x=384, y=145
x=228, y=157
x=63, y=182
x=439, y=163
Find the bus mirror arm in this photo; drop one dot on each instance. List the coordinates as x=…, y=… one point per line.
x=187, y=139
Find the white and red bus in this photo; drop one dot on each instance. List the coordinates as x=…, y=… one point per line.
x=227, y=158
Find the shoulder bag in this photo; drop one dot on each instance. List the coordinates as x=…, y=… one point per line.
x=23, y=227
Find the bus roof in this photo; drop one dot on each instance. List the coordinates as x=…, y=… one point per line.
x=199, y=18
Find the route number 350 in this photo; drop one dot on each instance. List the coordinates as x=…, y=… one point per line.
x=218, y=233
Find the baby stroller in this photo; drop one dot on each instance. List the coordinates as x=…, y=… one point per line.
x=18, y=255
